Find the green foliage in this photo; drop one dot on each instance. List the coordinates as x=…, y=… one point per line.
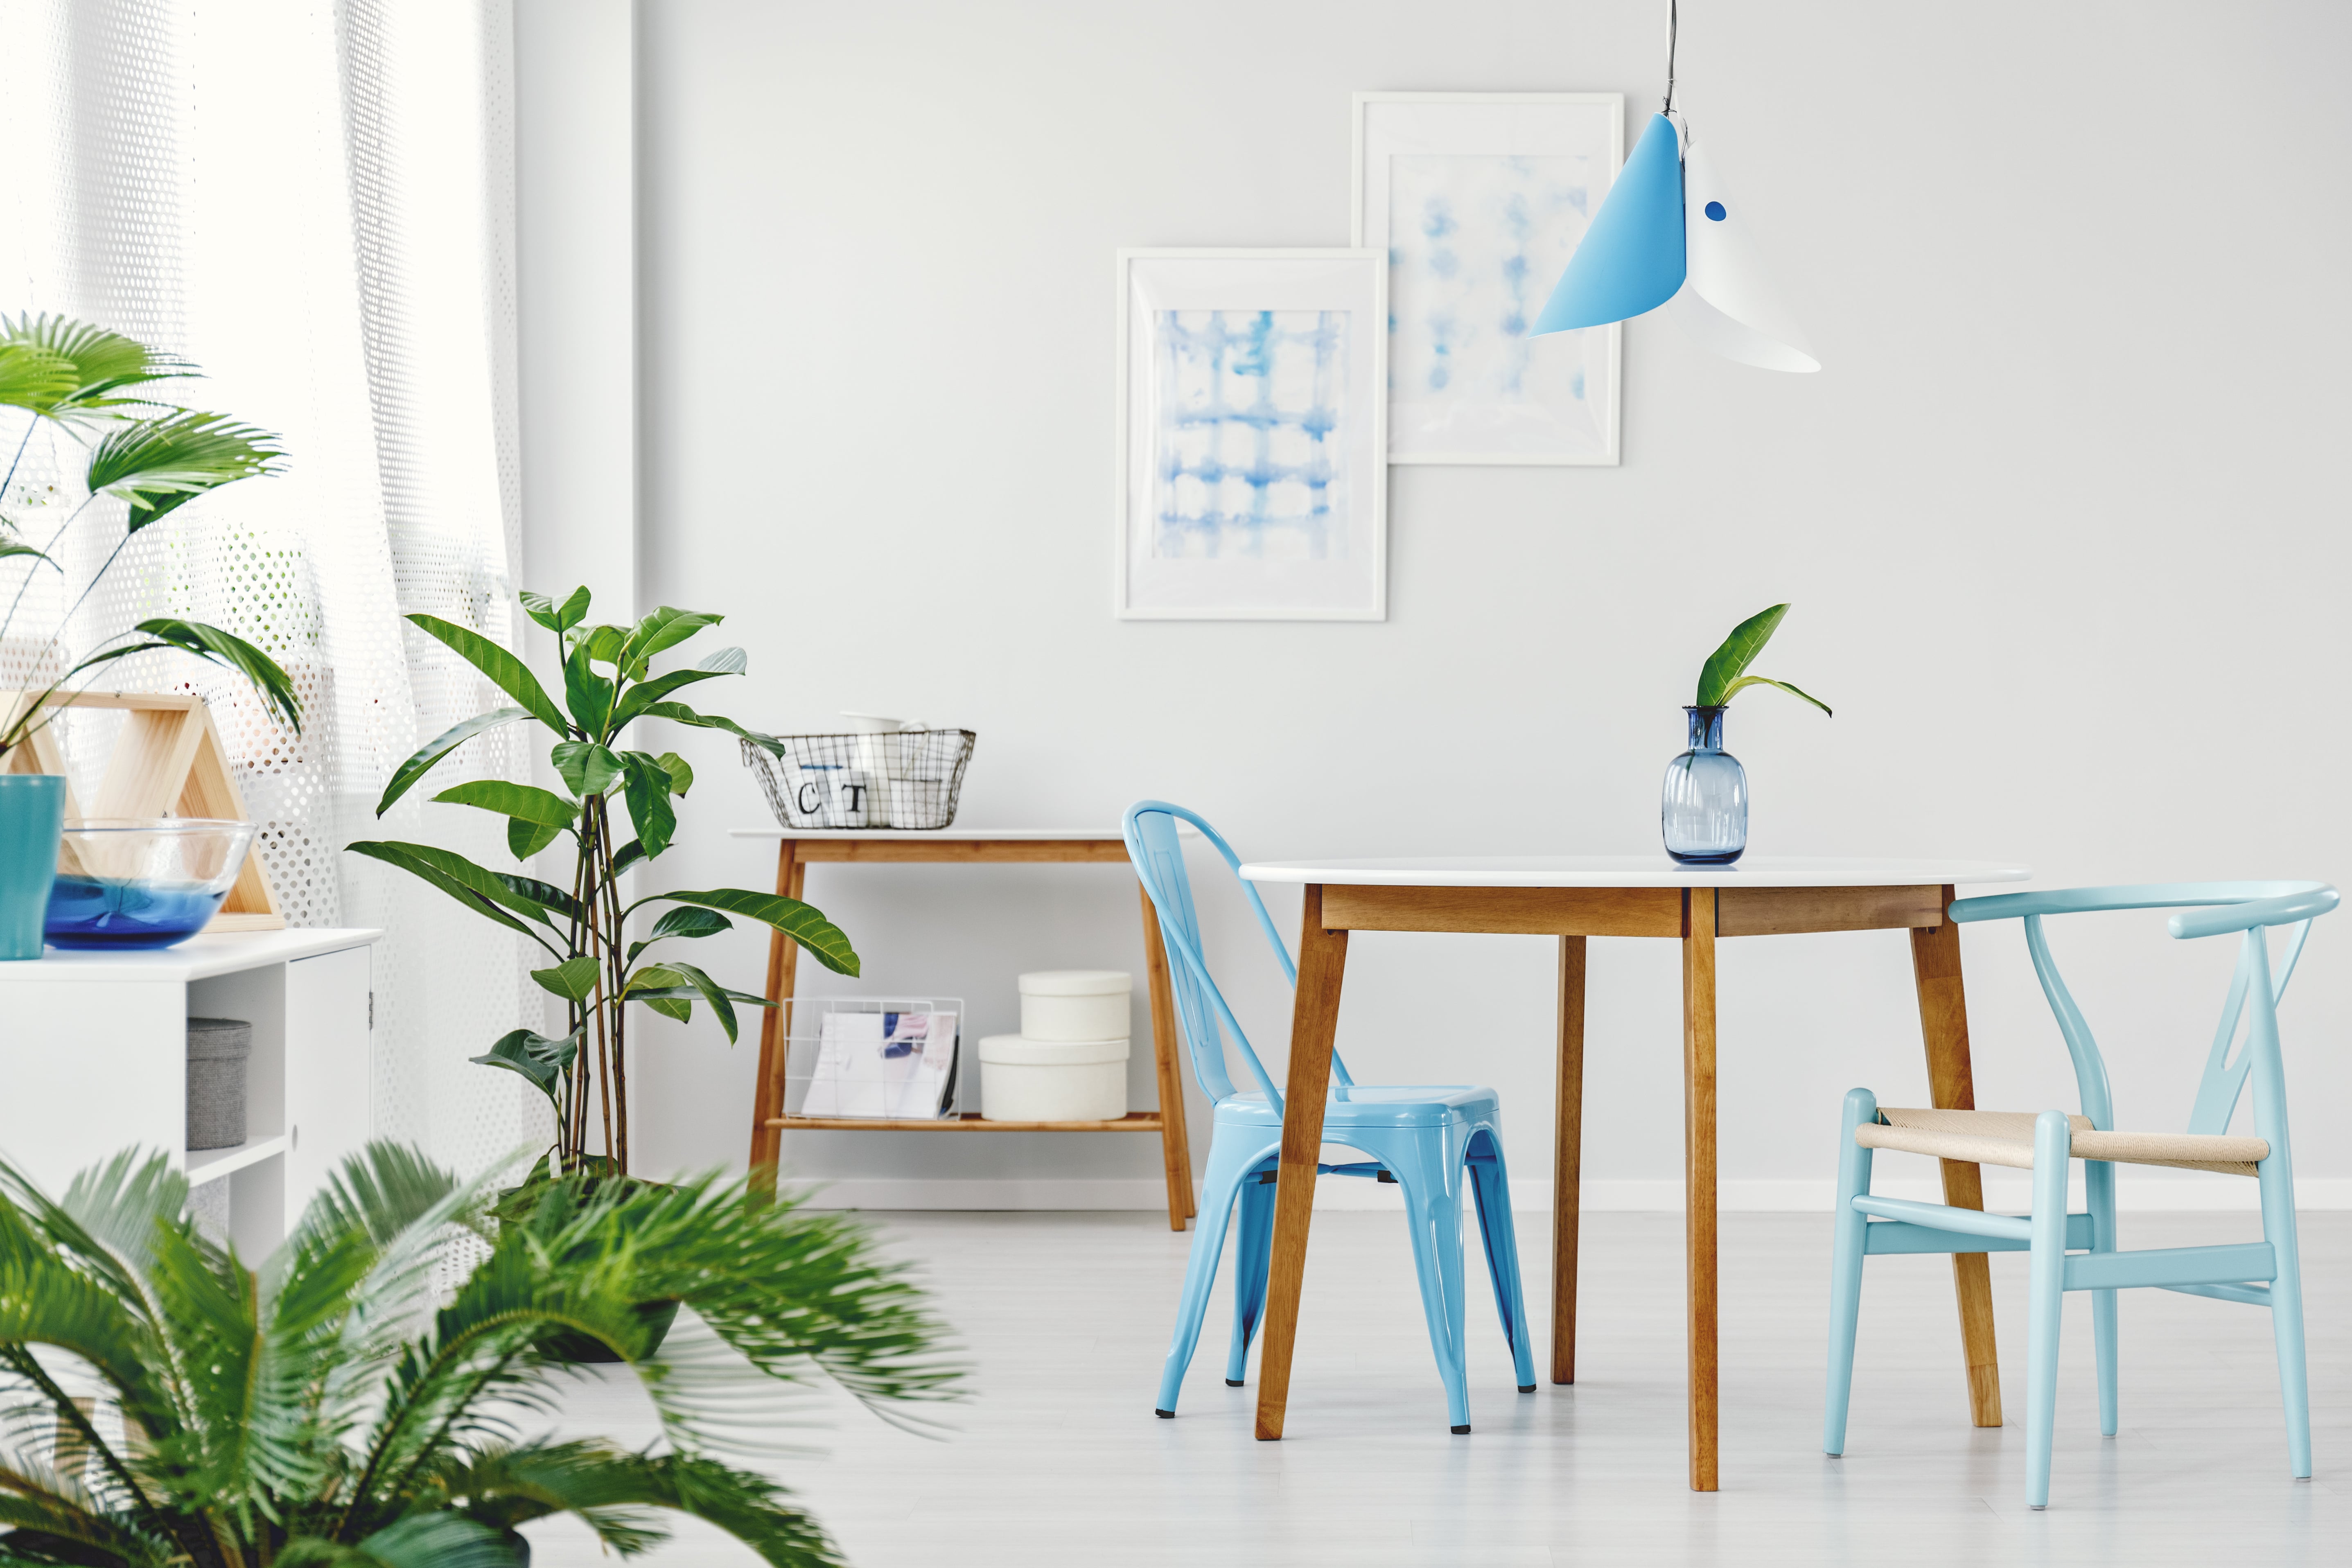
x=331, y=1408
x=153, y=456
x=1724, y=674
x=608, y=684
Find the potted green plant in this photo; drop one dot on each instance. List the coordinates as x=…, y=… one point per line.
x=1703, y=810
x=594, y=968
x=330, y=1409
x=87, y=384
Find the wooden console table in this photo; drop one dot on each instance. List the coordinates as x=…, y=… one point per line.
x=799, y=848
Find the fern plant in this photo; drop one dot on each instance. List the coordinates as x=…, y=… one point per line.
x=91, y=385
x=596, y=971
x=320, y=1412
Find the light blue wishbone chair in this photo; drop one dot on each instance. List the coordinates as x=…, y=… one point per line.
x=2077, y=1251
x=1420, y=1137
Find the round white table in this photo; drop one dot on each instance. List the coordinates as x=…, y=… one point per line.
x=1573, y=897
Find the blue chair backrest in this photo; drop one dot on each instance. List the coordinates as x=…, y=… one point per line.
x=1153, y=846
x=2251, y=908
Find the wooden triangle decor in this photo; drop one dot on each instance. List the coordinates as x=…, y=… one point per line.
x=168, y=762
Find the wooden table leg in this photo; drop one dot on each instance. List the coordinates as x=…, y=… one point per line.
x=1567, y=1178
x=775, y=1031
x=1314, y=1023
x=1167, y=1051
x=1698, y=1173
x=1944, y=1024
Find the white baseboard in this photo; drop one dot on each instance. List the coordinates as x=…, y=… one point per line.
x=2146, y=1195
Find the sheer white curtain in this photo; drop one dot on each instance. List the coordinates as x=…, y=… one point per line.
x=313, y=202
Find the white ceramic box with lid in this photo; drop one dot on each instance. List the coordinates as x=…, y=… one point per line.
x=1076, y=1004
x=1021, y=1079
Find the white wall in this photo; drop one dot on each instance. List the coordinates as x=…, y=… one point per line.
x=2062, y=522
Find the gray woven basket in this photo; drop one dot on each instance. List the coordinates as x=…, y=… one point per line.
x=217, y=1049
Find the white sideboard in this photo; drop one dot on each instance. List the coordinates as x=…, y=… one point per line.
x=93, y=1058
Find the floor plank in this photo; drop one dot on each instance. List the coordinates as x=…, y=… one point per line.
x=1058, y=1459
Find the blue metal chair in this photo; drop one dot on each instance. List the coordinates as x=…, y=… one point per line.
x=2078, y=1251
x=1420, y=1137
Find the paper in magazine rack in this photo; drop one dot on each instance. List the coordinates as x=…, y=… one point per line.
x=874, y=1058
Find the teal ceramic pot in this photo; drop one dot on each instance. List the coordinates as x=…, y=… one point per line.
x=32, y=815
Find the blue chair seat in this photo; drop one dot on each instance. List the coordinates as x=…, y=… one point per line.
x=1437, y=1143
x=1375, y=1105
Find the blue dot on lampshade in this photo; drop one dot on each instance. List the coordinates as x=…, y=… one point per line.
x=1715, y=210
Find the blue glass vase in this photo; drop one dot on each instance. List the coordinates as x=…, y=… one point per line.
x=1704, y=812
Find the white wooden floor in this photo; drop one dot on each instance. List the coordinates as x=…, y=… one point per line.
x=1058, y=1459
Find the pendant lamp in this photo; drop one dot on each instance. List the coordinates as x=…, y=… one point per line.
x=1670, y=234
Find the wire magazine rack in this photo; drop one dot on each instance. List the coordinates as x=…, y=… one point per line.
x=905, y=778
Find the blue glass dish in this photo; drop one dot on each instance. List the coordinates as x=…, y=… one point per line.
x=125, y=883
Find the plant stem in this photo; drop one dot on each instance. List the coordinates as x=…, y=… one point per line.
x=10, y=618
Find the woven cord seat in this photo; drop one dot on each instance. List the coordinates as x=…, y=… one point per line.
x=2006, y=1138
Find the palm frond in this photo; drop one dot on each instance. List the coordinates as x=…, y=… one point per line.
x=159, y=464
x=97, y=364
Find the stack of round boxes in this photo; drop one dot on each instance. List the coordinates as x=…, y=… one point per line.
x=1068, y=1063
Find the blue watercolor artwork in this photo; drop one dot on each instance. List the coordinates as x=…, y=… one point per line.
x=1251, y=440
x=1475, y=243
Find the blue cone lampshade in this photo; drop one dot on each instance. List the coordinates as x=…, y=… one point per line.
x=1631, y=256
x=1729, y=302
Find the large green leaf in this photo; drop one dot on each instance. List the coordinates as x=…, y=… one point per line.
x=644, y=695
x=524, y=803
x=575, y=979
x=535, y=1057
x=646, y=785
x=218, y=647
x=10, y=548
x=687, y=923
x=679, y=713
x=525, y=839
x=504, y=670
x=681, y=774
x=440, y=746
x=161, y=464
x=1729, y=662
x=721, y=1000
x=588, y=768
x=1747, y=680
x=546, y=895
x=454, y=875
x=555, y=617
x=588, y=694
x=803, y=923
x=665, y=628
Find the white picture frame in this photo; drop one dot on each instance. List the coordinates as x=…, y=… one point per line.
x=1466, y=384
x=1272, y=510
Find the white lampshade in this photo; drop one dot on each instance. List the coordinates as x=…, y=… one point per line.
x=1727, y=301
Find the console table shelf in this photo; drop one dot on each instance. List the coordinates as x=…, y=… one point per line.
x=798, y=849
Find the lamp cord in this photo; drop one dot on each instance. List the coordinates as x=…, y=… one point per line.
x=1674, y=29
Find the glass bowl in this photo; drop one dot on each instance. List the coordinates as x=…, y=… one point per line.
x=132, y=882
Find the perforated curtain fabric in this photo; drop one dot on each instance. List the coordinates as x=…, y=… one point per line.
x=313, y=202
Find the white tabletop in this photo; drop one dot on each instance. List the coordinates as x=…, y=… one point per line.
x=1628, y=872
x=992, y=835
x=198, y=958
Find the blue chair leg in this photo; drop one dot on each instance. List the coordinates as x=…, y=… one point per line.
x=2099, y=1185
x=1490, y=1185
x=2045, y=1293
x=1847, y=1240
x=1253, y=1259
x=2286, y=1306
x=1432, y=1212
x=1229, y=1163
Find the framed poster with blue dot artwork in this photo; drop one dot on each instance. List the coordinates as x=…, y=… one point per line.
x=1253, y=479
x=1477, y=199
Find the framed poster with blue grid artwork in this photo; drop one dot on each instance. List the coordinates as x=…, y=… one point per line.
x=1252, y=407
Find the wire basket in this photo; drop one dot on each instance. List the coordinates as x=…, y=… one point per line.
x=905, y=778
x=868, y=1058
